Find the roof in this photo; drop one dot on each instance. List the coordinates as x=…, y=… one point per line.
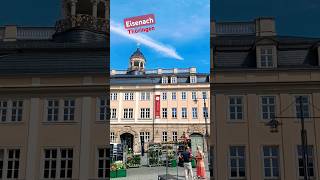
x=137, y=54
x=65, y=53
x=147, y=79
x=239, y=51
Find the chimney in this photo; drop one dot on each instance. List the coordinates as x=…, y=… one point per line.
x=265, y=26
x=213, y=29
x=10, y=33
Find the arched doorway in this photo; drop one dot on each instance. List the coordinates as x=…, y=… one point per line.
x=196, y=140
x=127, y=140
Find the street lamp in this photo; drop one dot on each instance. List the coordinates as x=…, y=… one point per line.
x=274, y=123
x=205, y=113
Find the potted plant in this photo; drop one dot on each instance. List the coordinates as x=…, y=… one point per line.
x=113, y=172
x=121, y=170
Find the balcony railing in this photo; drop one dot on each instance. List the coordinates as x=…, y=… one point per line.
x=82, y=21
x=35, y=33
x=236, y=28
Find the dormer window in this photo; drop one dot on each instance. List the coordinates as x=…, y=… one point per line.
x=193, y=79
x=266, y=57
x=173, y=80
x=164, y=80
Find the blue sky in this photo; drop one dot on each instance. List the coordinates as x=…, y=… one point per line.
x=293, y=17
x=182, y=26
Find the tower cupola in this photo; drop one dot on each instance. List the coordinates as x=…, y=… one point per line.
x=137, y=62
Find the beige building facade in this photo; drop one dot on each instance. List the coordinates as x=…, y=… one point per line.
x=258, y=76
x=53, y=103
x=183, y=98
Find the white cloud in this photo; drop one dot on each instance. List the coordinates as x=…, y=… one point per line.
x=146, y=40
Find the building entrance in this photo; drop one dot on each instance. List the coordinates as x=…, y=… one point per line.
x=127, y=140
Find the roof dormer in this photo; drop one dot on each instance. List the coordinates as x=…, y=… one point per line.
x=266, y=53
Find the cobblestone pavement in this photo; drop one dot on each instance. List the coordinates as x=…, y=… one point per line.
x=151, y=173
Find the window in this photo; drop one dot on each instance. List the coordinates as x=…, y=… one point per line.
x=268, y=106
x=204, y=95
x=205, y=112
x=184, y=113
x=103, y=109
x=193, y=79
x=237, y=167
x=173, y=79
x=58, y=163
x=145, y=113
x=9, y=163
x=128, y=113
x=164, y=136
x=174, y=95
x=266, y=58
x=145, y=136
x=271, y=162
x=113, y=96
x=164, y=96
x=13, y=163
x=305, y=106
x=164, y=80
x=3, y=110
x=164, y=113
x=174, y=113
x=194, y=95
x=184, y=95
x=113, y=113
x=310, y=165
x=194, y=113
x=128, y=96
x=235, y=108
x=53, y=110
x=1, y=162
x=145, y=96
x=17, y=107
x=103, y=156
x=68, y=110
x=175, y=136
x=112, y=137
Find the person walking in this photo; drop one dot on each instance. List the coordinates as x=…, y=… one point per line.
x=201, y=171
x=187, y=156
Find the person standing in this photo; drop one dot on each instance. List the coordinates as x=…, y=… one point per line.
x=201, y=171
x=187, y=156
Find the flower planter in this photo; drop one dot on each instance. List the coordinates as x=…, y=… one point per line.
x=121, y=173
x=113, y=174
x=193, y=163
x=174, y=163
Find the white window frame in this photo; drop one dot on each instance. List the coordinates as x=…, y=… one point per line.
x=53, y=108
x=174, y=113
x=17, y=110
x=164, y=113
x=70, y=109
x=113, y=113
x=194, y=95
x=310, y=159
x=269, y=107
x=184, y=113
x=194, y=113
x=174, y=80
x=237, y=157
x=297, y=111
x=164, y=95
x=58, y=160
x=102, y=109
x=5, y=163
x=193, y=79
x=236, y=105
x=174, y=96
x=184, y=95
x=164, y=80
x=267, y=52
x=270, y=157
x=112, y=137
x=113, y=96
x=105, y=159
x=128, y=113
x=164, y=136
x=174, y=136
